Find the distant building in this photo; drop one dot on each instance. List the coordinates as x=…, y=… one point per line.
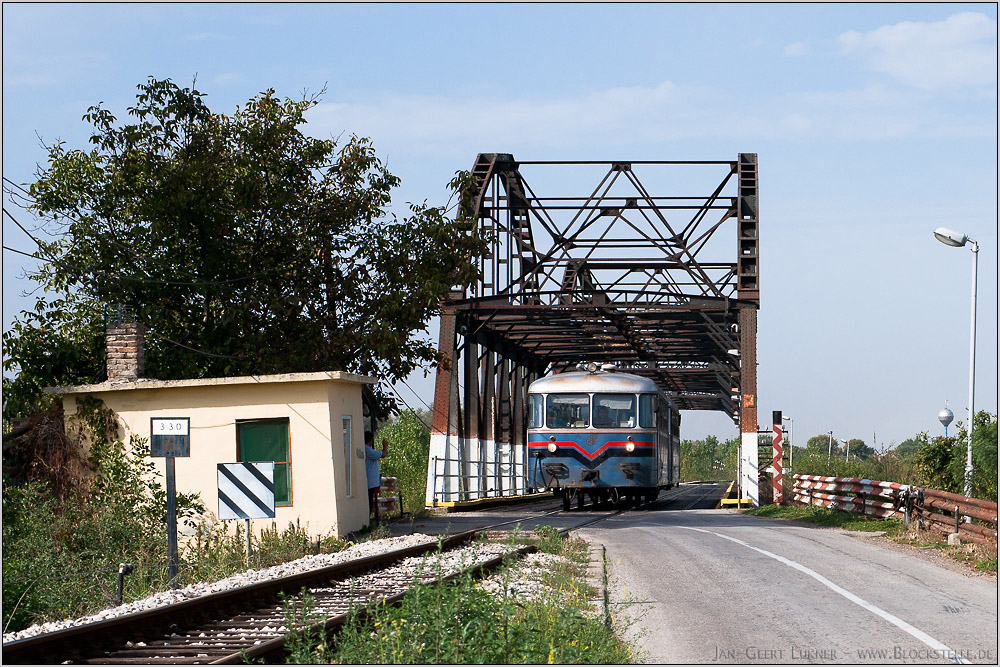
x=310, y=424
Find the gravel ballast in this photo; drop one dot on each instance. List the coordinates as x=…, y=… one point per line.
x=305, y=564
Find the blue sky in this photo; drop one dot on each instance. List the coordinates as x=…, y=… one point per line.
x=874, y=124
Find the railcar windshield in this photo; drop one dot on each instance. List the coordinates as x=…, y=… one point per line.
x=535, y=410
x=614, y=410
x=647, y=410
x=568, y=411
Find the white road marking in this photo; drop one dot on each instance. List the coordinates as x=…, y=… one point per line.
x=944, y=651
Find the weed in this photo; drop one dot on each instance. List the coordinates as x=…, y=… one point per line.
x=550, y=540
x=987, y=565
x=303, y=645
x=457, y=622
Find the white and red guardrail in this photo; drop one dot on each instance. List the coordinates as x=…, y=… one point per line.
x=870, y=497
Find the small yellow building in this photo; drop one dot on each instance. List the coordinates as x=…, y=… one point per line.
x=310, y=424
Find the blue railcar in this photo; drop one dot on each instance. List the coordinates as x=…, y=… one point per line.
x=603, y=434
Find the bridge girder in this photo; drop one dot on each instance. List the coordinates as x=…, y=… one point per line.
x=617, y=274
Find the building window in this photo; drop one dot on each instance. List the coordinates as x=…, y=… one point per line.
x=346, y=421
x=260, y=440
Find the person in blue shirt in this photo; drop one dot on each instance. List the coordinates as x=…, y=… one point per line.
x=372, y=471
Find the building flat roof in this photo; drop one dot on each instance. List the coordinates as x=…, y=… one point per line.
x=148, y=383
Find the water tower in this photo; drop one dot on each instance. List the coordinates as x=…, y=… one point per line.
x=945, y=417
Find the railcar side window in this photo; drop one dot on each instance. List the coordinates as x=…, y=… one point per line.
x=647, y=410
x=567, y=411
x=614, y=410
x=535, y=411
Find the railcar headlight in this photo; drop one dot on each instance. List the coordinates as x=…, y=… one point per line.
x=629, y=446
x=552, y=447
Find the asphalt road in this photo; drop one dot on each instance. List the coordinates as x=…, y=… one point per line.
x=709, y=586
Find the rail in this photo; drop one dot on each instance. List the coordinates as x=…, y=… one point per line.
x=170, y=630
x=940, y=510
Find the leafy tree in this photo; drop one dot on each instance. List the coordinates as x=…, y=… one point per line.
x=857, y=449
x=819, y=444
x=242, y=244
x=61, y=342
x=911, y=446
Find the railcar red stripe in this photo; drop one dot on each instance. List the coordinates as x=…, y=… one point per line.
x=591, y=456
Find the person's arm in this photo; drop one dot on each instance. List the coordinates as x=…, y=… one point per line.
x=385, y=446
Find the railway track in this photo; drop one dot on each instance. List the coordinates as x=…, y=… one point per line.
x=249, y=622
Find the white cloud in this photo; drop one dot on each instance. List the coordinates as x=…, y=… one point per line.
x=796, y=49
x=437, y=121
x=227, y=78
x=957, y=52
x=637, y=115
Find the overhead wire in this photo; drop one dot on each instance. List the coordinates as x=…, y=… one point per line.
x=409, y=407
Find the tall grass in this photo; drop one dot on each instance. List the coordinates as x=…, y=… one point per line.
x=61, y=556
x=459, y=623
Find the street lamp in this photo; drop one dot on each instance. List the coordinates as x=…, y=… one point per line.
x=791, y=432
x=957, y=240
x=829, y=451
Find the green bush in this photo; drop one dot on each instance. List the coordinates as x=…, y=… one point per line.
x=708, y=459
x=941, y=462
x=409, y=447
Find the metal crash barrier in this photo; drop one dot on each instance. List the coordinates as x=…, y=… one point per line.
x=940, y=510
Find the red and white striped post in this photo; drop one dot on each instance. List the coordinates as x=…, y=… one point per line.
x=776, y=462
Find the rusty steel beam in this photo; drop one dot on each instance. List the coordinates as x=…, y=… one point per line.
x=630, y=268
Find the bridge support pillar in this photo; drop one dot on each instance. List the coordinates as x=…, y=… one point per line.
x=749, y=466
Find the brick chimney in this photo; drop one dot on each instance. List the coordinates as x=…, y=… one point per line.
x=126, y=362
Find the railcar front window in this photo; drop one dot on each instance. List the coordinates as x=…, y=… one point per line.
x=647, y=410
x=535, y=411
x=614, y=410
x=568, y=411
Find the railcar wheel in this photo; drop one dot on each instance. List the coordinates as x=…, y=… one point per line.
x=565, y=501
x=579, y=504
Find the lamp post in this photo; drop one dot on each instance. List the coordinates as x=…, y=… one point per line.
x=791, y=432
x=829, y=451
x=957, y=240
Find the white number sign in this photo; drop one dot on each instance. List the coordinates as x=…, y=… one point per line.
x=170, y=426
x=170, y=436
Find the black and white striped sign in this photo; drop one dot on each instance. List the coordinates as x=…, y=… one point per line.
x=246, y=490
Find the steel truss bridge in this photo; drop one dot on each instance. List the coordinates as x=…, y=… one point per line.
x=653, y=266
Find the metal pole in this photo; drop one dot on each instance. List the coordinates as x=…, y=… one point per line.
x=248, y=544
x=829, y=449
x=791, y=439
x=972, y=373
x=172, y=520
